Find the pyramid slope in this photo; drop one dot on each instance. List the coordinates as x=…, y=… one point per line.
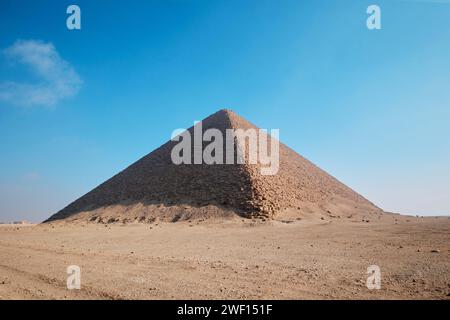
x=154, y=183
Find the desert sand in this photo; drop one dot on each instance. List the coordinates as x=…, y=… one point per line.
x=309, y=257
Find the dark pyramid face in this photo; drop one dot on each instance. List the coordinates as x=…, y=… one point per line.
x=154, y=183
x=155, y=179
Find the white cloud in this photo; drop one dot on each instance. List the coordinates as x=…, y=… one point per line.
x=58, y=79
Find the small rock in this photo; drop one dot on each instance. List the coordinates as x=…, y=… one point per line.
x=435, y=251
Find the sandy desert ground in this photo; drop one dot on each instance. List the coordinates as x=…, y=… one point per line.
x=309, y=258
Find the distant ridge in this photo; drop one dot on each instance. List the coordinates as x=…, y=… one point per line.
x=153, y=188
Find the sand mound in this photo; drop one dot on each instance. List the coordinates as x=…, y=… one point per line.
x=155, y=188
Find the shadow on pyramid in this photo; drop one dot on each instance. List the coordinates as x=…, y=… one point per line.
x=155, y=189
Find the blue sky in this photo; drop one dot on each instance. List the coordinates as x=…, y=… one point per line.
x=370, y=107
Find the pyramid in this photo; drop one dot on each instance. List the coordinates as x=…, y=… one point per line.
x=156, y=188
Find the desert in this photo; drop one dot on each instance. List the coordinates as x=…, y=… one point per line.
x=311, y=257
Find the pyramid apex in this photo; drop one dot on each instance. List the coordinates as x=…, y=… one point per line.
x=225, y=110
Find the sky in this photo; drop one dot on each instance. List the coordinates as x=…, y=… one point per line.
x=371, y=107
